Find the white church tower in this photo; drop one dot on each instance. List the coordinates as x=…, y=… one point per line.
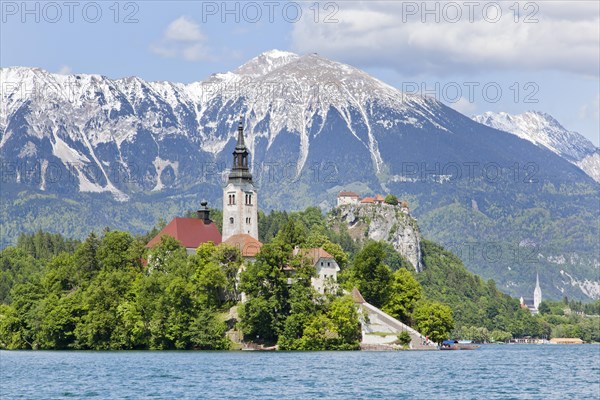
x=537, y=292
x=240, y=200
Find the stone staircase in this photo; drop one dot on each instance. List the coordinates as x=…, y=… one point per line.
x=381, y=330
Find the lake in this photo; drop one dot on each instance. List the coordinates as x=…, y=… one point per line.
x=492, y=372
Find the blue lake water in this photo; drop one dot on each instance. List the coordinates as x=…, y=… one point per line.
x=492, y=372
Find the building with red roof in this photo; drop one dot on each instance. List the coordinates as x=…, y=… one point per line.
x=326, y=266
x=345, y=197
x=248, y=246
x=190, y=232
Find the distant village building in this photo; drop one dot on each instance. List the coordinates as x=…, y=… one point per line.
x=378, y=199
x=240, y=199
x=566, y=341
x=191, y=232
x=533, y=304
x=345, y=198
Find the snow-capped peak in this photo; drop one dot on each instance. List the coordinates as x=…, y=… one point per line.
x=266, y=62
x=544, y=130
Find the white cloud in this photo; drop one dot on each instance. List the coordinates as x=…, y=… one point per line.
x=64, y=70
x=591, y=110
x=464, y=106
x=183, y=29
x=566, y=37
x=182, y=39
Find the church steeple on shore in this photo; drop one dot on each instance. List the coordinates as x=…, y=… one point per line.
x=537, y=292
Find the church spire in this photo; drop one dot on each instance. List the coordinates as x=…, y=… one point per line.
x=537, y=292
x=240, y=139
x=240, y=171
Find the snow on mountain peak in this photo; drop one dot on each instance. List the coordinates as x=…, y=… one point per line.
x=545, y=131
x=265, y=63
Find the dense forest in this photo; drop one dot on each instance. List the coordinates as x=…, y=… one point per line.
x=100, y=293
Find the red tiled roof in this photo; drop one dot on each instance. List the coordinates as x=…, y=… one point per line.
x=368, y=200
x=314, y=254
x=348, y=194
x=248, y=246
x=379, y=198
x=191, y=232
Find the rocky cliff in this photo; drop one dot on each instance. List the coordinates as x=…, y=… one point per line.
x=392, y=224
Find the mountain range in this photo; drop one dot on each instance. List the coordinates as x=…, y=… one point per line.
x=543, y=130
x=81, y=152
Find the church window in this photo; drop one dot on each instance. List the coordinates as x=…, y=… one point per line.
x=233, y=199
x=231, y=220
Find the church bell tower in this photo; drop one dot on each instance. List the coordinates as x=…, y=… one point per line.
x=240, y=200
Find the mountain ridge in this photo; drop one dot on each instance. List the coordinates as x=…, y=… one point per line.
x=544, y=130
x=313, y=127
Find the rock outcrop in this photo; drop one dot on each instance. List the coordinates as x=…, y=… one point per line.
x=385, y=222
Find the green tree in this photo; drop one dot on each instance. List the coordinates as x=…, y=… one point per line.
x=293, y=233
x=208, y=274
x=344, y=316
x=434, y=320
x=167, y=255
x=207, y=332
x=370, y=275
x=114, y=250
x=16, y=266
x=404, y=338
x=265, y=284
x=544, y=308
x=86, y=257
x=405, y=292
x=259, y=319
x=11, y=329
x=391, y=199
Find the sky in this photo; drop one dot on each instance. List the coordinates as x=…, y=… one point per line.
x=475, y=56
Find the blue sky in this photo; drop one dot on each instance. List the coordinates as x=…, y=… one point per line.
x=542, y=55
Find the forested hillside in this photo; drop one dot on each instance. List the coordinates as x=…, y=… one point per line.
x=58, y=293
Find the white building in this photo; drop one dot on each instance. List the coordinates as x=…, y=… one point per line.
x=345, y=198
x=326, y=267
x=240, y=199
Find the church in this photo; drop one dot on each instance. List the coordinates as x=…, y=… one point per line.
x=240, y=222
x=533, y=304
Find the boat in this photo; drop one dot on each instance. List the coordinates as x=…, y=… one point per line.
x=456, y=345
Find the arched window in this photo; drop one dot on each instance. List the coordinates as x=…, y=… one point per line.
x=231, y=220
